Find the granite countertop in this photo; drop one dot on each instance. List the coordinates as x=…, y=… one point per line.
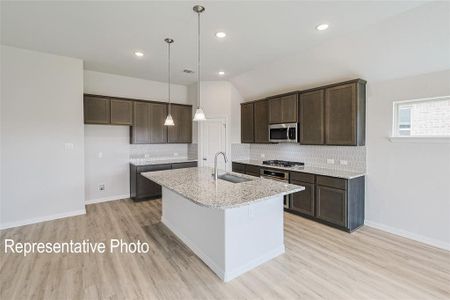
x=197, y=185
x=312, y=170
x=147, y=161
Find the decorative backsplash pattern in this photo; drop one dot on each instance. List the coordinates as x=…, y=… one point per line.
x=314, y=156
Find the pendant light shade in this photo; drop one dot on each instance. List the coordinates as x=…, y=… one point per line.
x=199, y=114
x=169, y=120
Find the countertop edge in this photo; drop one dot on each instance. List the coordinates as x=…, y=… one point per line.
x=326, y=172
x=163, y=162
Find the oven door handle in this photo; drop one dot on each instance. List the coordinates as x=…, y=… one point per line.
x=274, y=178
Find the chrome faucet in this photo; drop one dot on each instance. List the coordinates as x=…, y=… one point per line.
x=215, y=162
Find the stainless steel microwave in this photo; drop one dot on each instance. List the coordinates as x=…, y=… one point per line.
x=283, y=133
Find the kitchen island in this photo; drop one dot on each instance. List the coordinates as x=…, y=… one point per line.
x=232, y=227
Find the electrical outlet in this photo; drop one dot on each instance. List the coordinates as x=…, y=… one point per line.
x=100, y=155
x=101, y=187
x=69, y=146
x=343, y=162
x=146, y=155
x=175, y=154
x=330, y=161
x=263, y=155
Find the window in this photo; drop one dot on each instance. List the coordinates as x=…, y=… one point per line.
x=422, y=118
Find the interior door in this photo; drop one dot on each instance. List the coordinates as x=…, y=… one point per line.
x=213, y=141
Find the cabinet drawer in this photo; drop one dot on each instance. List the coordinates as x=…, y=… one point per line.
x=298, y=176
x=150, y=168
x=252, y=170
x=238, y=168
x=338, y=183
x=190, y=164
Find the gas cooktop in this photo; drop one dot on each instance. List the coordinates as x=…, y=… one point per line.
x=283, y=163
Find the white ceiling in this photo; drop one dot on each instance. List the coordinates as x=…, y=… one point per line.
x=106, y=34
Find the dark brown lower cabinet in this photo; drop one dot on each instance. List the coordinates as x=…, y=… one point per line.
x=332, y=205
x=252, y=170
x=304, y=201
x=142, y=188
x=238, y=168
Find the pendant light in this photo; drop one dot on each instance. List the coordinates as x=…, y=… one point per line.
x=169, y=119
x=199, y=114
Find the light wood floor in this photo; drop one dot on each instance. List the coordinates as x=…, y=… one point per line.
x=320, y=262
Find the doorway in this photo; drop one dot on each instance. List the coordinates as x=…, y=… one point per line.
x=213, y=133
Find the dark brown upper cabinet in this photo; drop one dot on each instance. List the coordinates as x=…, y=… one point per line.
x=157, y=113
x=96, y=110
x=121, y=112
x=247, y=123
x=181, y=132
x=283, y=109
x=345, y=114
x=311, y=118
x=140, y=131
x=261, y=122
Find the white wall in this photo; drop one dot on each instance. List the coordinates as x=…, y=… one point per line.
x=220, y=99
x=407, y=186
x=41, y=111
x=130, y=87
x=113, y=142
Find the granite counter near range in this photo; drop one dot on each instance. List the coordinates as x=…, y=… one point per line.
x=345, y=174
x=198, y=185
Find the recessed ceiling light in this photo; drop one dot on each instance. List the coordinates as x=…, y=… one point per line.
x=221, y=34
x=138, y=53
x=221, y=73
x=322, y=27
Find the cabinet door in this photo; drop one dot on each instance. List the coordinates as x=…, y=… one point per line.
x=252, y=170
x=247, y=122
x=340, y=115
x=121, y=112
x=261, y=121
x=275, y=116
x=289, y=109
x=311, y=112
x=181, y=132
x=140, y=129
x=238, y=168
x=96, y=110
x=191, y=164
x=157, y=113
x=331, y=205
x=303, y=201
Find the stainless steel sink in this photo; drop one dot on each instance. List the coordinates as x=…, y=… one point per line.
x=233, y=178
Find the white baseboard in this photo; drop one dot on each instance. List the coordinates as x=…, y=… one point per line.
x=106, y=199
x=229, y=275
x=409, y=235
x=43, y=219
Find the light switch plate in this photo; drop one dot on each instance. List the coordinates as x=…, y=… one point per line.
x=330, y=161
x=69, y=146
x=343, y=162
x=263, y=155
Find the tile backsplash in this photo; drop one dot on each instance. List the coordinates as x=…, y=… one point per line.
x=345, y=157
x=158, y=151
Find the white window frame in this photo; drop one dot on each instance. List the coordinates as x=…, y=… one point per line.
x=395, y=137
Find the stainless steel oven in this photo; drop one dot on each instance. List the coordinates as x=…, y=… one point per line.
x=279, y=175
x=283, y=133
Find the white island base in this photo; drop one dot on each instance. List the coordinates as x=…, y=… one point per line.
x=230, y=241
